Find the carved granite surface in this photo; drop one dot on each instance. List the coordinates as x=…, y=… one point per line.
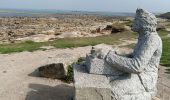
x=95, y=63
x=139, y=70
x=144, y=61
x=90, y=86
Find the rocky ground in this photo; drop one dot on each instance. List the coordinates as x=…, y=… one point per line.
x=41, y=29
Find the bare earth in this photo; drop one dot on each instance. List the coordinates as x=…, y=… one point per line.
x=19, y=81
x=163, y=84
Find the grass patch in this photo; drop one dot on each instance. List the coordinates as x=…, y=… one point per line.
x=167, y=71
x=65, y=43
x=19, y=47
x=129, y=23
x=163, y=33
x=70, y=73
x=165, y=60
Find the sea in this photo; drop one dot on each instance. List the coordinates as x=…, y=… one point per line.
x=46, y=12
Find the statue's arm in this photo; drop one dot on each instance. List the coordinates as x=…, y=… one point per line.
x=138, y=62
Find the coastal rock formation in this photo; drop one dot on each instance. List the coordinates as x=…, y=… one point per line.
x=14, y=29
x=139, y=76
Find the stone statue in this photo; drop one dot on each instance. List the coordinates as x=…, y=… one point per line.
x=142, y=64
x=132, y=77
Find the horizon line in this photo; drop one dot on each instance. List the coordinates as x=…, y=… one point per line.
x=91, y=11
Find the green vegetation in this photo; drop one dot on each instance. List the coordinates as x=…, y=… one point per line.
x=165, y=60
x=70, y=73
x=118, y=25
x=65, y=43
x=19, y=47
x=166, y=52
x=128, y=23
x=163, y=33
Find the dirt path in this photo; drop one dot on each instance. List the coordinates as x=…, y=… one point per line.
x=163, y=84
x=17, y=82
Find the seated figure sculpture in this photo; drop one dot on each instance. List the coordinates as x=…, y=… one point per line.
x=141, y=67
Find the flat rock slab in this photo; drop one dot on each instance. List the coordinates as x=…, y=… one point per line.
x=90, y=86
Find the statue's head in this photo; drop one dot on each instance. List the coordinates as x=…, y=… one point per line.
x=144, y=21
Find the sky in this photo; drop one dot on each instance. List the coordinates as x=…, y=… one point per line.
x=157, y=6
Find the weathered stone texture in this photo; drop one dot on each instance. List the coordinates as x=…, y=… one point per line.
x=99, y=66
x=144, y=61
x=90, y=86
x=95, y=63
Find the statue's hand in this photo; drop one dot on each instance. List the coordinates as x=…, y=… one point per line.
x=96, y=52
x=99, y=52
x=102, y=54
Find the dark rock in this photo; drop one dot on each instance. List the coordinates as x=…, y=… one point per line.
x=54, y=71
x=108, y=27
x=160, y=28
x=98, y=30
x=116, y=29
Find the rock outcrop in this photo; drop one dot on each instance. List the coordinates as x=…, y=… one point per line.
x=58, y=26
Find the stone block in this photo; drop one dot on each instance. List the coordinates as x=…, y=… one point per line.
x=99, y=66
x=90, y=86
